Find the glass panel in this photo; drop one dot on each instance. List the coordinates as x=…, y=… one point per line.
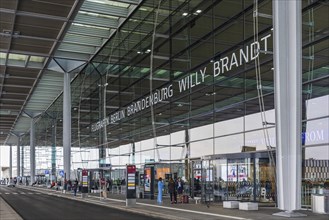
x=37, y=59
x=19, y=57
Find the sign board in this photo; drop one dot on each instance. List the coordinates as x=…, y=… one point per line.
x=84, y=181
x=61, y=173
x=149, y=181
x=131, y=182
x=46, y=171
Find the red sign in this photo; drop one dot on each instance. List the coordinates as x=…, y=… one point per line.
x=131, y=169
x=84, y=172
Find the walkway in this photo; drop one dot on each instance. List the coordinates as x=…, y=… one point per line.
x=178, y=211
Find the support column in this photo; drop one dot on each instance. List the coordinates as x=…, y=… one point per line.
x=133, y=160
x=10, y=161
x=18, y=153
x=287, y=24
x=22, y=162
x=67, y=125
x=53, y=150
x=32, y=151
x=102, y=136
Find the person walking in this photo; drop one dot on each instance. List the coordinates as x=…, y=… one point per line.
x=180, y=188
x=75, y=186
x=172, y=190
x=160, y=188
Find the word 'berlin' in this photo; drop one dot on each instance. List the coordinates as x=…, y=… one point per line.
x=224, y=64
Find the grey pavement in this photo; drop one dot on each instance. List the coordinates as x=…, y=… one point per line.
x=176, y=211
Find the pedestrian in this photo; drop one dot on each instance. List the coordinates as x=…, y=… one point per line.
x=172, y=190
x=180, y=188
x=160, y=188
x=75, y=186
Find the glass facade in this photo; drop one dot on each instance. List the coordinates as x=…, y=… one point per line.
x=186, y=79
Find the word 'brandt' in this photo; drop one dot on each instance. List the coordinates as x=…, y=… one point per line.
x=224, y=64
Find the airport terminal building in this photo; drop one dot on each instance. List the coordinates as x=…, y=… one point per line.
x=230, y=95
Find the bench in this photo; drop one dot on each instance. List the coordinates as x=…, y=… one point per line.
x=231, y=204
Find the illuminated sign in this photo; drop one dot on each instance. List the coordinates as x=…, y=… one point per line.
x=224, y=64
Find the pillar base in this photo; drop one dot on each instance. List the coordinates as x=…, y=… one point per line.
x=290, y=214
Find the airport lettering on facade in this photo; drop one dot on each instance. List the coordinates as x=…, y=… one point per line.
x=224, y=64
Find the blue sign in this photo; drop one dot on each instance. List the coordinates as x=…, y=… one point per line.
x=61, y=173
x=46, y=171
x=105, y=165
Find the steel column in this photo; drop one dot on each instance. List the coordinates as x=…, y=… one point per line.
x=53, y=150
x=32, y=151
x=287, y=24
x=67, y=125
x=10, y=161
x=18, y=154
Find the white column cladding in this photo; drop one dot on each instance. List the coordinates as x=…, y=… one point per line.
x=67, y=124
x=32, y=151
x=287, y=24
x=10, y=161
x=18, y=154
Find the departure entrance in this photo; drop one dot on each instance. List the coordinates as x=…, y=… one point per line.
x=247, y=176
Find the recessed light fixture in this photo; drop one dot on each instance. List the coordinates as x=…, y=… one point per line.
x=185, y=14
x=210, y=93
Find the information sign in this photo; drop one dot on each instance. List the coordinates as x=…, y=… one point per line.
x=131, y=182
x=84, y=181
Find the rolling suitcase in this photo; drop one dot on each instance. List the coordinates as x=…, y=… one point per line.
x=185, y=198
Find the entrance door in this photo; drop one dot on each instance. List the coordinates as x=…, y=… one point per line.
x=207, y=181
x=240, y=179
x=196, y=168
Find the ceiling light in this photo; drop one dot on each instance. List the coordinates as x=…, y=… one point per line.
x=139, y=52
x=185, y=14
x=198, y=11
x=180, y=105
x=160, y=113
x=148, y=50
